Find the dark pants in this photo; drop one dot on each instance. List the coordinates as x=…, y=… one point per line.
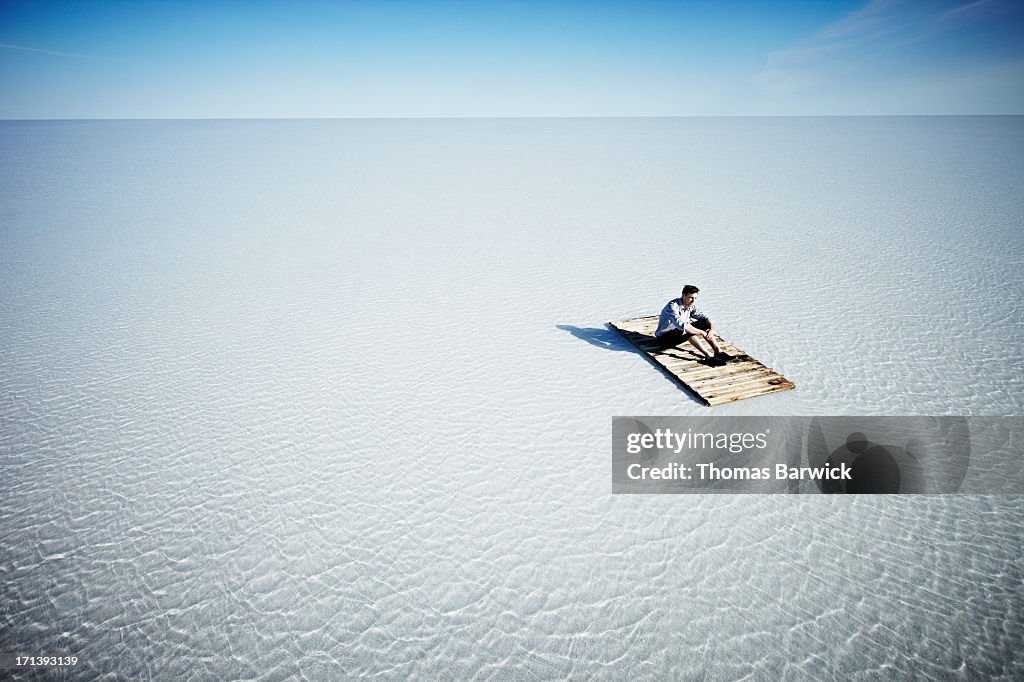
x=674, y=337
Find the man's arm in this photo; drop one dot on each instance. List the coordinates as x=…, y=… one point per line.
x=701, y=317
x=707, y=334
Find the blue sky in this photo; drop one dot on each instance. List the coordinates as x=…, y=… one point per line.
x=414, y=58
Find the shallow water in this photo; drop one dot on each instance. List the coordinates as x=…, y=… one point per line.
x=335, y=397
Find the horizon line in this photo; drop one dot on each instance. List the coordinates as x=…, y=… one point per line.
x=538, y=117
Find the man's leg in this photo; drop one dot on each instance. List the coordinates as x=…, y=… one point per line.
x=713, y=341
x=698, y=343
x=670, y=339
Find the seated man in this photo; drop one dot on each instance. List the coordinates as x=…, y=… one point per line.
x=681, y=321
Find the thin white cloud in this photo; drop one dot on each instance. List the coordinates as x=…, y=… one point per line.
x=875, y=24
x=868, y=38
x=23, y=48
x=971, y=7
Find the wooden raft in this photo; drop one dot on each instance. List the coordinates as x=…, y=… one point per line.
x=740, y=378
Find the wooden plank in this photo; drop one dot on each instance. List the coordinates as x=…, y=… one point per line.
x=750, y=373
x=700, y=370
x=721, y=400
x=744, y=387
x=750, y=391
x=747, y=386
x=740, y=378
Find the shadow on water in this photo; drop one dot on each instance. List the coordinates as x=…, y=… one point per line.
x=609, y=339
x=602, y=337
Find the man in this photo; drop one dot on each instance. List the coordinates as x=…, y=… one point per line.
x=681, y=321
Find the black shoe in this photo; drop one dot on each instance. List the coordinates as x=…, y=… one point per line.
x=723, y=356
x=712, y=362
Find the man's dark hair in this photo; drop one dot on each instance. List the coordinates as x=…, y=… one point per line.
x=690, y=289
